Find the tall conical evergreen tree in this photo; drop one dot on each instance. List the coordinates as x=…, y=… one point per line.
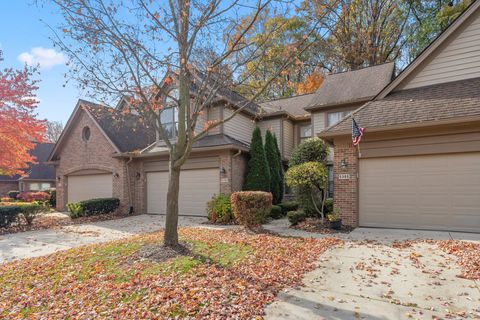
x=258, y=173
x=273, y=164
x=281, y=174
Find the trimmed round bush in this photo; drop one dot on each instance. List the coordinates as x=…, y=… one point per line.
x=311, y=150
x=296, y=216
x=219, y=209
x=276, y=212
x=251, y=208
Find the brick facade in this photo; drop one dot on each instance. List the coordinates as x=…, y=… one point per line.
x=6, y=186
x=346, y=189
x=77, y=155
x=235, y=165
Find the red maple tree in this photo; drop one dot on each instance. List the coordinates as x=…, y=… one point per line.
x=19, y=127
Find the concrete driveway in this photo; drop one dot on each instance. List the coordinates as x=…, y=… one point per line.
x=42, y=242
x=367, y=278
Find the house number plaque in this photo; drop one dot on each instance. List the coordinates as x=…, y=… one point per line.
x=344, y=176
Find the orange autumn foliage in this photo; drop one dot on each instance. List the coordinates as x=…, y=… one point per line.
x=19, y=128
x=311, y=84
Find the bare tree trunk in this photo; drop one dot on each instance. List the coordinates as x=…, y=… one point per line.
x=171, y=223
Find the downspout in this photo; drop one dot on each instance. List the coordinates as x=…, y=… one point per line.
x=130, y=202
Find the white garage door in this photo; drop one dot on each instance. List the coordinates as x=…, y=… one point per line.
x=439, y=192
x=90, y=186
x=196, y=188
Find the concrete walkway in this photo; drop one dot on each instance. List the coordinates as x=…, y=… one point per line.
x=367, y=278
x=42, y=242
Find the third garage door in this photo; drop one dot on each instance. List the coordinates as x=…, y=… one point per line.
x=196, y=188
x=439, y=192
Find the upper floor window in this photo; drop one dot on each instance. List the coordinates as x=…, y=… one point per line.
x=169, y=115
x=169, y=119
x=305, y=132
x=335, y=117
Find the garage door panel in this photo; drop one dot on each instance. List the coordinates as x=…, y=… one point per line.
x=196, y=188
x=425, y=192
x=87, y=187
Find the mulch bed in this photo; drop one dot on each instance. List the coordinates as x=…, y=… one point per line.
x=315, y=225
x=48, y=222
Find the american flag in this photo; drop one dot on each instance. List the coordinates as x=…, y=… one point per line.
x=357, y=133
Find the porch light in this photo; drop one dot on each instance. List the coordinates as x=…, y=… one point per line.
x=222, y=170
x=343, y=164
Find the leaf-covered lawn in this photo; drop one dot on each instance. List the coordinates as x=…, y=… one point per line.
x=231, y=273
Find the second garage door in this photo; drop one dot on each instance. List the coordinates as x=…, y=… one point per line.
x=196, y=188
x=89, y=186
x=439, y=192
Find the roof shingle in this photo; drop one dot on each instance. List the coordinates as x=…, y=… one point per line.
x=292, y=105
x=438, y=102
x=127, y=131
x=40, y=170
x=352, y=86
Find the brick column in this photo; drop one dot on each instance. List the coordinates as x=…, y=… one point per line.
x=346, y=181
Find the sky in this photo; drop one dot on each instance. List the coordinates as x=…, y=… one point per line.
x=24, y=38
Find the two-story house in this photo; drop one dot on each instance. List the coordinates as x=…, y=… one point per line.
x=105, y=152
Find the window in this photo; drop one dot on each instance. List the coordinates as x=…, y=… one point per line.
x=86, y=134
x=305, y=132
x=37, y=186
x=335, y=117
x=169, y=115
x=169, y=119
x=330, y=182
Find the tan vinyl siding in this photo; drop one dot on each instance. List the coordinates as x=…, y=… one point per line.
x=456, y=59
x=199, y=126
x=288, y=138
x=272, y=124
x=318, y=122
x=214, y=113
x=239, y=127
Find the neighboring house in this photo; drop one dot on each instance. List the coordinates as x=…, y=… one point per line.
x=418, y=165
x=38, y=177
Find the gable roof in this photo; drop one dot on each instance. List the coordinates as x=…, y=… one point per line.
x=127, y=131
x=441, y=38
x=292, y=106
x=39, y=170
x=224, y=93
x=352, y=86
x=429, y=104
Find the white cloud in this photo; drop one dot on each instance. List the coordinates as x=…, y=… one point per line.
x=46, y=58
